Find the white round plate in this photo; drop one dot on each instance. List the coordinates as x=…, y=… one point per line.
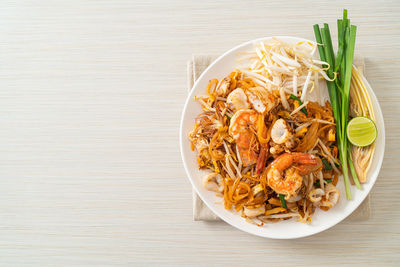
x=288, y=229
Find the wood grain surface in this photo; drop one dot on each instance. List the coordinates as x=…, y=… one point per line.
x=90, y=100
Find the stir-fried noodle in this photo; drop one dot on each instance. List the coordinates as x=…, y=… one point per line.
x=270, y=150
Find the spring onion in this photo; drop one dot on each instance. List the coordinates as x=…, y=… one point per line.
x=283, y=201
x=318, y=183
x=339, y=73
x=292, y=96
x=327, y=165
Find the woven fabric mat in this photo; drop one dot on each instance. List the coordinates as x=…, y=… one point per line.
x=201, y=212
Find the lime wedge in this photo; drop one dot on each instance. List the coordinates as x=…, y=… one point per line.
x=361, y=131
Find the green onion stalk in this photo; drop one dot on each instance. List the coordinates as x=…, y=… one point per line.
x=339, y=86
x=283, y=201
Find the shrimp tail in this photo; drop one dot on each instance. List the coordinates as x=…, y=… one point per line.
x=262, y=159
x=306, y=163
x=287, y=171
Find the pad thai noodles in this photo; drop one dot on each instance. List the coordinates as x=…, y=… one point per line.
x=269, y=148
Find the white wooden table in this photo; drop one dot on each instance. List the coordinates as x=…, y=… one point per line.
x=91, y=94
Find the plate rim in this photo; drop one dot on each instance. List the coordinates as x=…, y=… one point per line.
x=379, y=116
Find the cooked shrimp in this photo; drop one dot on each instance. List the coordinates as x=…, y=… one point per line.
x=282, y=134
x=245, y=146
x=241, y=122
x=285, y=175
x=240, y=130
x=237, y=100
x=282, y=138
x=251, y=138
x=261, y=99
